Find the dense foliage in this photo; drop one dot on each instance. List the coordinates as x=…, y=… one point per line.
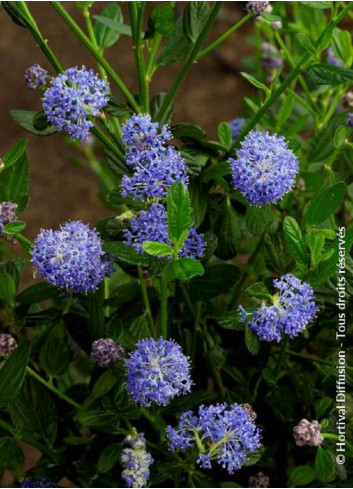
x=188, y=339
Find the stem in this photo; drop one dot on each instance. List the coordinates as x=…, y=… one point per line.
x=151, y=57
x=224, y=36
x=216, y=375
x=315, y=359
x=146, y=302
x=92, y=37
x=161, y=116
x=292, y=75
x=95, y=53
x=164, y=307
x=108, y=143
x=53, y=389
x=282, y=356
x=136, y=16
x=332, y=436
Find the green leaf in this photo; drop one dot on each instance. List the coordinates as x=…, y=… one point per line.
x=216, y=280
x=324, y=74
x=176, y=47
x=228, y=232
x=125, y=253
x=13, y=228
x=198, y=196
x=25, y=119
x=11, y=456
x=109, y=457
x=103, y=420
x=96, y=318
x=14, y=154
x=325, y=204
x=118, y=27
x=14, y=182
x=161, y=21
x=301, y=475
x=185, y=131
x=189, y=402
x=316, y=243
x=195, y=15
x=251, y=341
x=35, y=410
x=340, y=136
x=295, y=241
x=37, y=293
x=318, y=5
x=107, y=36
x=7, y=287
x=258, y=218
x=54, y=356
x=258, y=292
x=179, y=214
x=232, y=320
x=342, y=46
x=102, y=386
x=13, y=373
x=253, y=81
x=183, y=269
x=324, y=465
x=225, y=134
x=155, y=248
x=306, y=43
x=117, y=108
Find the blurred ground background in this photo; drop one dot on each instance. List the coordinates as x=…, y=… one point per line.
x=60, y=190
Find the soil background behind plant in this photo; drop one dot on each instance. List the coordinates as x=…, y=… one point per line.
x=60, y=190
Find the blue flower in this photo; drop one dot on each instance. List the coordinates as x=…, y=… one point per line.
x=35, y=76
x=270, y=57
x=264, y=169
x=331, y=58
x=72, y=98
x=151, y=225
x=157, y=371
x=292, y=310
x=72, y=257
x=106, y=352
x=349, y=119
x=155, y=166
x=236, y=126
x=136, y=461
x=222, y=433
x=39, y=482
x=257, y=8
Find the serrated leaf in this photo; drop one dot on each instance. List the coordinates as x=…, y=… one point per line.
x=216, y=280
x=11, y=456
x=7, y=287
x=118, y=27
x=13, y=373
x=325, y=204
x=251, y=341
x=306, y=43
x=301, y=475
x=96, y=318
x=232, y=320
x=179, y=214
x=125, y=253
x=225, y=134
x=176, y=47
x=37, y=293
x=154, y=248
x=253, y=81
x=14, y=154
x=54, y=356
x=161, y=20
x=109, y=457
x=183, y=269
x=324, y=465
x=13, y=228
x=195, y=15
x=295, y=241
x=258, y=291
x=324, y=74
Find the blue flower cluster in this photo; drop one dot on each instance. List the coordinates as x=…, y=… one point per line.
x=72, y=257
x=36, y=76
x=155, y=166
x=236, y=126
x=39, y=482
x=264, y=169
x=331, y=58
x=72, y=98
x=7, y=214
x=157, y=371
x=222, y=433
x=257, y=8
x=292, y=310
x=151, y=225
x=136, y=461
x=106, y=352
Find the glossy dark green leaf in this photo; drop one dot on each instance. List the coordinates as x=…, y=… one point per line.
x=216, y=280
x=11, y=456
x=7, y=287
x=258, y=218
x=14, y=182
x=228, y=232
x=183, y=269
x=161, y=20
x=117, y=108
x=179, y=214
x=154, y=248
x=225, y=134
x=176, y=47
x=118, y=27
x=109, y=457
x=106, y=36
x=35, y=410
x=54, y=356
x=13, y=373
x=324, y=465
x=13, y=228
x=25, y=119
x=98, y=419
x=37, y=293
x=96, y=318
x=232, y=320
x=251, y=341
x=14, y=154
x=326, y=203
x=258, y=291
x=295, y=241
x=185, y=131
x=301, y=475
x=125, y=253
